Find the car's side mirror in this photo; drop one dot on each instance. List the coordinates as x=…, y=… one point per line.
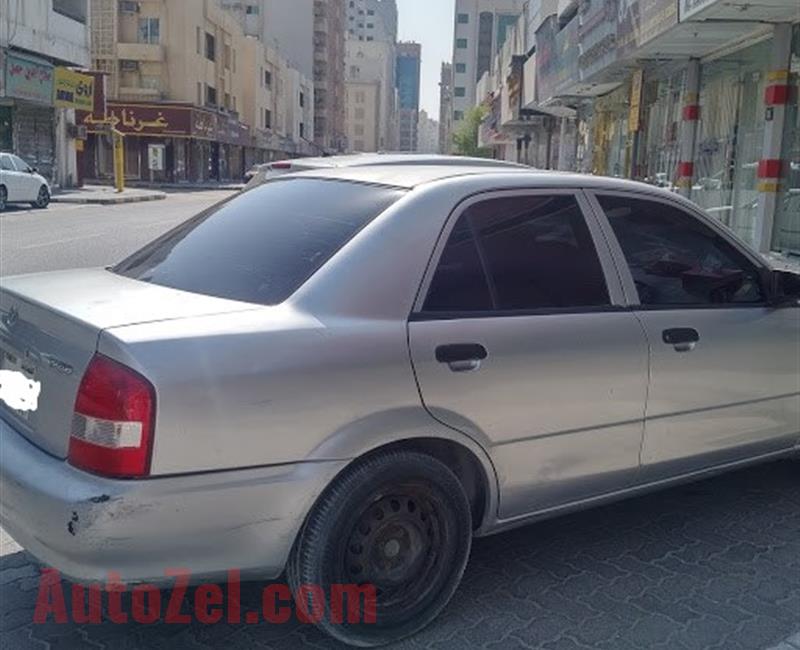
x=32, y=170
x=784, y=289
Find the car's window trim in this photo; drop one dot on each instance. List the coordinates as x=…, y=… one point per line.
x=610, y=275
x=626, y=277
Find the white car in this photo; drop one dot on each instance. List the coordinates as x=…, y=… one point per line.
x=21, y=183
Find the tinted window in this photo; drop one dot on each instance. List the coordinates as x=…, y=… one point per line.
x=263, y=244
x=676, y=259
x=5, y=163
x=21, y=165
x=528, y=253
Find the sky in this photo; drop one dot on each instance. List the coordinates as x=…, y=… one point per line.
x=429, y=22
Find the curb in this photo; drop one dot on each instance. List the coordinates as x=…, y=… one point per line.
x=112, y=200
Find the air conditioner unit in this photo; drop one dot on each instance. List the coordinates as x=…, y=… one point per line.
x=128, y=7
x=128, y=65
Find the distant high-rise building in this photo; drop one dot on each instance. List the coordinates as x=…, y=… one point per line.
x=480, y=31
x=329, y=87
x=428, y=134
x=446, y=108
x=409, y=57
x=372, y=20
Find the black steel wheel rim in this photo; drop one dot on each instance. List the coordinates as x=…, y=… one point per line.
x=397, y=544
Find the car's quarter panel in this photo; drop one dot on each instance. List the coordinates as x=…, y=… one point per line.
x=264, y=387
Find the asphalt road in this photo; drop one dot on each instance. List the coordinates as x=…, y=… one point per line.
x=71, y=236
x=715, y=564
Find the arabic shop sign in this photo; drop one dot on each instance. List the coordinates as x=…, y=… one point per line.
x=73, y=89
x=141, y=119
x=29, y=79
x=640, y=21
x=691, y=7
x=597, y=36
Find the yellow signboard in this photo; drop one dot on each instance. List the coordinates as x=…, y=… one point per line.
x=73, y=90
x=634, y=117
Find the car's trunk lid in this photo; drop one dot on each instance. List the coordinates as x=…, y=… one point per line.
x=49, y=328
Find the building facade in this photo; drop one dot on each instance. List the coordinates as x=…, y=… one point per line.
x=39, y=40
x=372, y=20
x=427, y=134
x=479, y=33
x=330, y=19
x=371, y=116
x=446, y=109
x=698, y=97
x=409, y=56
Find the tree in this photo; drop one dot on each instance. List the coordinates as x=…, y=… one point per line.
x=465, y=138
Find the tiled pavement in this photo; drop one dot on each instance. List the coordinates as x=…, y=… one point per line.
x=715, y=564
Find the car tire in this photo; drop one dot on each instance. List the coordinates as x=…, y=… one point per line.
x=398, y=520
x=43, y=199
x=3, y=198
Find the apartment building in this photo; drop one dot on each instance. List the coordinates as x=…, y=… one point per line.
x=39, y=39
x=372, y=20
x=409, y=57
x=446, y=108
x=371, y=96
x=427, y=134
x=480, y=31
x=329, y=67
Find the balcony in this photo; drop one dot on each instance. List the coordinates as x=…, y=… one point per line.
x=140, y=52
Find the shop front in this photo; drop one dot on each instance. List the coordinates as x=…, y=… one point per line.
x=198, y=145
x=27, y=116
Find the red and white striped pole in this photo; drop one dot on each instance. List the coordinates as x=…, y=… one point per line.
x=689, y=124
x=771, y=167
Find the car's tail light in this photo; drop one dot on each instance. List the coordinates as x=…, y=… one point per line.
x=281, y=165
x=112, y=427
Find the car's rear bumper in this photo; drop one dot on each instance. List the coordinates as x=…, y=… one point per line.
x=86, y=526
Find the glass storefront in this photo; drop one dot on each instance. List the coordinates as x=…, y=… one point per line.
x=659, y=137
x=786, y=234
x=611, y=141
x=731, y=137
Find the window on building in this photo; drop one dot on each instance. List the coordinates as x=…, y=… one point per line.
x=458, y=116
x=211, y=96
x=251, y=10
x=461, y=43
x=675, y=259
x=370, y=38
x=149, y=30
x=461, y=67
x=302, y=99
x=227, y=101
x=211, y=45
x=359, y=113
x=267, y=118
x=519, y=253
x=370, y=12
x=199, y=93
x=370, y=25
x=459, y=91
x=199, y=40
x=267, y=78
x=302, y=130
x=226, y=56
x=463, y=19
x=75, y=9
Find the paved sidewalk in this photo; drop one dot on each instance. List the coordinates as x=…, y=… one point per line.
x=106, y=195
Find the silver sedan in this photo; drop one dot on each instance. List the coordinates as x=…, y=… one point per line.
x=347, y=373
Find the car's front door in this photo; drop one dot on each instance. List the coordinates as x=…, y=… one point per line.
x=9, y=178
x=725, y=366
x=520, y=338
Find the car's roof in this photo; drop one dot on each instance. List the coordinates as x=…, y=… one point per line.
x=413, y=175
x=393, y=159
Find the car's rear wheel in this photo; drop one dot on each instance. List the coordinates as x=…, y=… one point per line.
x=42, y=199
x=3, y=198
x=399, y=521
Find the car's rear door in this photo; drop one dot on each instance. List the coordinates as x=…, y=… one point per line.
x=725, y=366
x=520, y=338
x=9, y=178
x=27, y=182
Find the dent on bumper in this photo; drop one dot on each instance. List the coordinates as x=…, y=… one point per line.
x=86, y=526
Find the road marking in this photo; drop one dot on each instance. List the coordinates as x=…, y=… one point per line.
x=60, y=241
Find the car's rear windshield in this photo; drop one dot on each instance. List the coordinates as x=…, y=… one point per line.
x=263, y=244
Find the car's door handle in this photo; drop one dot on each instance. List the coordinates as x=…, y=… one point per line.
x=461, y=357
x=683, y=339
